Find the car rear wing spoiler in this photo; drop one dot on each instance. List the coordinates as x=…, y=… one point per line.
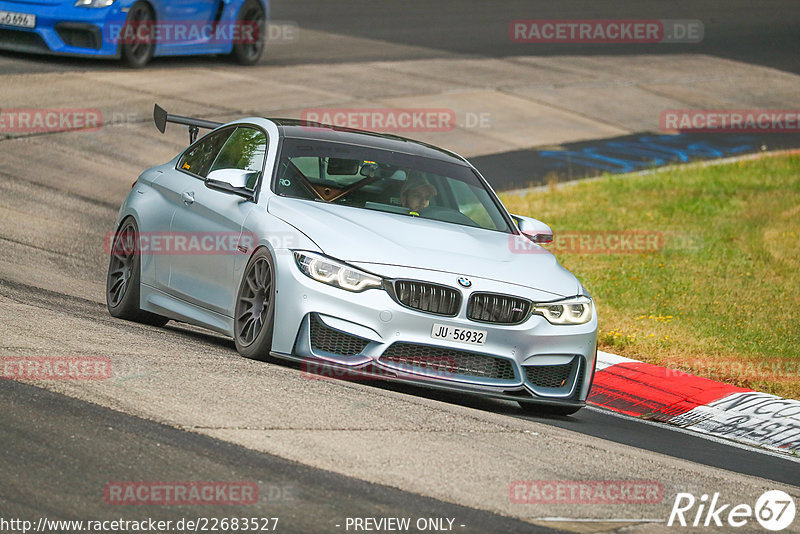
x=161, y=118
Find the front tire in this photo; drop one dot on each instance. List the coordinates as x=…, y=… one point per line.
x=136, y=52
x=251, y=25
x=124, y=275
x=255, y=307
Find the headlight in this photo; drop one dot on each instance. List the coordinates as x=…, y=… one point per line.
x=574, y=310
x=94, y=3
x=335, y=273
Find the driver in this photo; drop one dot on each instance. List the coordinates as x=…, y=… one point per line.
x=416, y=194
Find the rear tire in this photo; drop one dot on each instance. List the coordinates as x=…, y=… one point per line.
x=137, y=52
x=544, y=409
x=123, y=279
x=251, y=26
x=254, y=315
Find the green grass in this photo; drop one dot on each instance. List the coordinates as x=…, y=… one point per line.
x=721, y=299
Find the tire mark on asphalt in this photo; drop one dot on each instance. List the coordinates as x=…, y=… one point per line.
x=43, y=249
x=51, y=300
x=113, y=206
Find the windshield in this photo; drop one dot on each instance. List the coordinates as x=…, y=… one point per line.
x=382, y=180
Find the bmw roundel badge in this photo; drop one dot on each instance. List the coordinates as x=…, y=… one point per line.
x=464, y=281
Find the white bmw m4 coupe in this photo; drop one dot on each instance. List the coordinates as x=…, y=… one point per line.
x=353, y=250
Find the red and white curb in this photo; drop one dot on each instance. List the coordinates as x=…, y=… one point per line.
x=656, y=393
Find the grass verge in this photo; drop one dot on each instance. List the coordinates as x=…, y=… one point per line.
x=719, y=295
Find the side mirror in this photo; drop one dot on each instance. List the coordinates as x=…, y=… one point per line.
x=234, y=181
x=533, y=229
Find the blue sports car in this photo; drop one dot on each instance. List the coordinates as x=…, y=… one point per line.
x=135, y=30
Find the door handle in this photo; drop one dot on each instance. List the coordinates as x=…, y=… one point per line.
x=188, y=197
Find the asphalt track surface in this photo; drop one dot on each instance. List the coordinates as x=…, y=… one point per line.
x=59, y=450
x=70, y=450
x=655, y=437
x=520, y=169
x=762, y=34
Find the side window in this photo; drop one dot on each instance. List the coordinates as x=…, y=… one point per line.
x=244, y=150
x=198, y=159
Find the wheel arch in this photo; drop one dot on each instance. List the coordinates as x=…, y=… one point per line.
x=237, y=5
x=155, y=8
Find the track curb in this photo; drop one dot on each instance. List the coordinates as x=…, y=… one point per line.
x=698, y=404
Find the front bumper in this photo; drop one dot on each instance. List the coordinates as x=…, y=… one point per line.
x=372, y=335
x=64, y=30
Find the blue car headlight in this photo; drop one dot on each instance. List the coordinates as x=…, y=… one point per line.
x=335, y=273
x=94, y=3
x=574, y=310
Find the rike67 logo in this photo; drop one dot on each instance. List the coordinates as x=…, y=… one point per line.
x=774, y=510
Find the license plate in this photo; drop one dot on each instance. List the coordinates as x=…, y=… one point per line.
x=458, y=334
x=20, y=20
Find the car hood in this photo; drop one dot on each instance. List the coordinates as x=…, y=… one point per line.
x=363, y=236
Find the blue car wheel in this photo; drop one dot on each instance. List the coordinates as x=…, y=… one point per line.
x=137, y=47
x=251, y=22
